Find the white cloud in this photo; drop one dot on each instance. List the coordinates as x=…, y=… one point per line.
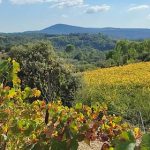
x=66, y=3
x=0, y=1
x=97, y=8
x=54, y=3
x=64, y=16
x=21, y=2
x=139, y=7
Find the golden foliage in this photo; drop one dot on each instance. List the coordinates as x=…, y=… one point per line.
x=137, y=74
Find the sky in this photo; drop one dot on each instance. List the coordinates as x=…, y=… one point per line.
x=29, y=15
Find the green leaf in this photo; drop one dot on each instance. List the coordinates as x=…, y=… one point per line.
x=128, y=136
x=125, y=141
x=58, y=145
x=27, y=92
x=4, y=137
x=29, y=130
x=78, y=106
x=12, y=93
x=145, y=144
x=125, y=146
x=74, y=144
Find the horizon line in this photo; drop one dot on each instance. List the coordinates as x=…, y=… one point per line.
x=106, y=27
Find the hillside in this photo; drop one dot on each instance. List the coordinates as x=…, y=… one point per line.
x=83, y=41
x=126, y=89
x=80, y=41
x=119, y=33
x=138, y=74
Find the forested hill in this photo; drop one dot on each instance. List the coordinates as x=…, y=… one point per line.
x=115, y=33
x=83, y=41
x=119, y=33
x=80, y=41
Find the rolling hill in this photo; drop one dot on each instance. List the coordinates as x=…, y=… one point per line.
x=126, y=89
x=118, y=33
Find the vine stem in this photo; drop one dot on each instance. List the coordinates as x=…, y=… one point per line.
x=142, y=121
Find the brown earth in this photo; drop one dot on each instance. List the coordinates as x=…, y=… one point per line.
x=93, y=146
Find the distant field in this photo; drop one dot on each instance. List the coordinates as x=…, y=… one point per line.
x=126, y=89
x=133, y=74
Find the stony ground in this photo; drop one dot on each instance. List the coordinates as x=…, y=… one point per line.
x=94, y=146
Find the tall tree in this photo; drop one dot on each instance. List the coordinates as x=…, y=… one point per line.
x=41, y=68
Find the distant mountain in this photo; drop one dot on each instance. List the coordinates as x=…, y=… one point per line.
x=119, y=33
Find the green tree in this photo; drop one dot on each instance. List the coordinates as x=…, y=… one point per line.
x=41, y=68
x=70, y=48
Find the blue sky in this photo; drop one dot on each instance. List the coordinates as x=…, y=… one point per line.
x=25, y=15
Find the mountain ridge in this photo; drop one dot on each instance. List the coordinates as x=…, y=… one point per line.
x=121, y=33
x=115, y=33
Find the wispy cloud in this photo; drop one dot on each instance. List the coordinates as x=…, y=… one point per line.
x=64, y=16
x=0, y=1
x=97, y=8
x=53, y=3
x=139, y=7
x=66, y=3
x=148, y=17
x=22, y=2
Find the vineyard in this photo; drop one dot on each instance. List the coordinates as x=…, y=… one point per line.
x=84, y=85
x=23, y=125
x=129, y=75
x=126, y=89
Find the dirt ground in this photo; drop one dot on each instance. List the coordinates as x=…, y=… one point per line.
x=94, y=146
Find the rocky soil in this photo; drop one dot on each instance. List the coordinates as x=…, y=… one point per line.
x=94, y=146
